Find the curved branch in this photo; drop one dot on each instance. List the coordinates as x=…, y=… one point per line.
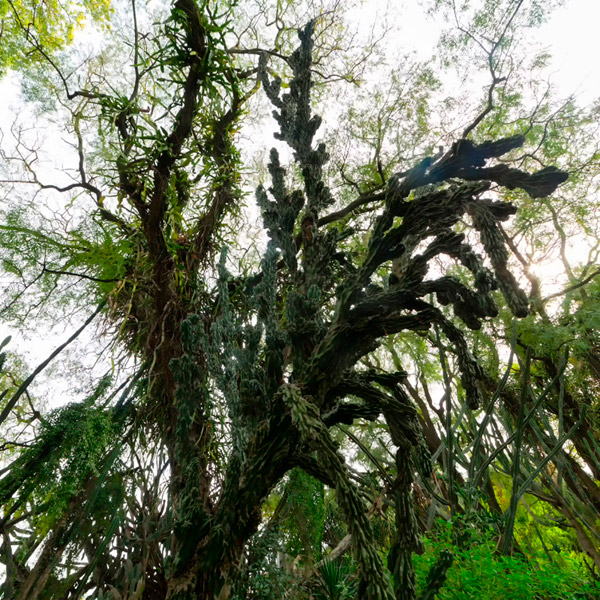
x=572, y=287
x=80, y=275
x=343, y=212
x=13, y=401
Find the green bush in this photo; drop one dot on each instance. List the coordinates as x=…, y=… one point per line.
x=481, y=573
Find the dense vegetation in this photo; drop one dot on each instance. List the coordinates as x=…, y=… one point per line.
x=352, y=381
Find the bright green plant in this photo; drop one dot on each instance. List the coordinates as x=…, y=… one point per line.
x=47, y=27
x=336, y=581
x=480, y=573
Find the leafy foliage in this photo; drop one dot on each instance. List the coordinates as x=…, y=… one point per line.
x=47, y=29
x=479, y=572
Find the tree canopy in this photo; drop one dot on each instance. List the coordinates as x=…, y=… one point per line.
x=333, y=370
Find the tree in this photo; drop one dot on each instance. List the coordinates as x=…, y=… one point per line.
x=48, y=29
x=154, y=490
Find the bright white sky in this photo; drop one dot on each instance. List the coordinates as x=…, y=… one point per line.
x=570, y=36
